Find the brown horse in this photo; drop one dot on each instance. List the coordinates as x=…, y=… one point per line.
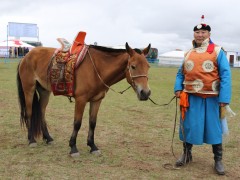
x=101, y=68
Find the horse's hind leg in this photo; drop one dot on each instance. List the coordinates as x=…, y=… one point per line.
x=79, y=109
x=44, y=99
x=29, y=103
x=46, y=135
x=93, y=111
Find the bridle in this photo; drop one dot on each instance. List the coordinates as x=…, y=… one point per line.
x=132, y=77
x=130, y=74
x=167, y=165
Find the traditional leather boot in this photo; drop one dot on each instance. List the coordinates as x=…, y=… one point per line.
x=217, y=151
x=186, y=156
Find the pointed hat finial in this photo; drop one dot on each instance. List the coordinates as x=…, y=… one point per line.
x=202, y=19
x=202, y=25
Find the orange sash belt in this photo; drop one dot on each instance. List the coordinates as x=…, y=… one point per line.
x=184, y=104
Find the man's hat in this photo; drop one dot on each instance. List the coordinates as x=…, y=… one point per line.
x=202, y=26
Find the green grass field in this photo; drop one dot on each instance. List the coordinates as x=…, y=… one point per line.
x=134, y=137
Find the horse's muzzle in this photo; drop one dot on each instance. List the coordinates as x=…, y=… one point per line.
x=143, y=95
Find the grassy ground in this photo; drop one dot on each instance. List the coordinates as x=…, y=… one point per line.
x=134, y=137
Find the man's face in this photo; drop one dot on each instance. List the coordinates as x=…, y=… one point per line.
x=200, y=36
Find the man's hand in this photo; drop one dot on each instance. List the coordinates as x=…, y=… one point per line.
x=222, y=104
x=177, y=94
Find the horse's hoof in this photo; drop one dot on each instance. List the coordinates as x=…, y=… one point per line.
x=97, y=152
x=74, y=155
x=50, y=143
x=33, y=145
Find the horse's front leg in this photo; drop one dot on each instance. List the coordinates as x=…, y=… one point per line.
x=93, y=111
x=79, y=109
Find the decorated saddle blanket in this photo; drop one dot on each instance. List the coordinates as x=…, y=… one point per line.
x=64, y=63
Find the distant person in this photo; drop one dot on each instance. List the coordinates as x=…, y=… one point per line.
x=203, y=84
x=15, y=52
x=10, y=52
x=26, y=50
x=20, y=51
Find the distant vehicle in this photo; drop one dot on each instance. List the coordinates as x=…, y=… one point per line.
x=152, y=55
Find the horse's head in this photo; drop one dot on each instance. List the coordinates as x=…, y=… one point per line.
x=137, y=73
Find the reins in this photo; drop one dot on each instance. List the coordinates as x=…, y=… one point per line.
x=175, y=119
x=167, y=165
x=162, y=104
x=121, y=92
x=95, y=68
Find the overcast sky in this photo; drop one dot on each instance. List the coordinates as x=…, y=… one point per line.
x=166, y=24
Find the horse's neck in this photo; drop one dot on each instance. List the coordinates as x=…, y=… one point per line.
x=113, y=68
x=120, y=72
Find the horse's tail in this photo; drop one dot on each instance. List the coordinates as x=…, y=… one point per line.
x=35, y=124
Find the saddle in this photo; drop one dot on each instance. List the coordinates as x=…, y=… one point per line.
x=64, y=62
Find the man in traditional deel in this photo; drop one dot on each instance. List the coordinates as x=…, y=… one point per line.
x=203, y=84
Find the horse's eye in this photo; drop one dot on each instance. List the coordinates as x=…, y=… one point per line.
x=133, y=67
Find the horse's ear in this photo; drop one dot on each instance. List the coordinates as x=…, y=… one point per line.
x=130, y=51
x=146, y=50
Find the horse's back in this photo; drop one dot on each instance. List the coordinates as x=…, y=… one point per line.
x=35, y=64
x=39, y=55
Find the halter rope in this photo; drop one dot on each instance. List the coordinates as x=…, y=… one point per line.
x=95, y=68
x=121, y=92
x=167, y=165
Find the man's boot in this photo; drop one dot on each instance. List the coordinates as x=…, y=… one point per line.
x=217, y=151
x=186, y=156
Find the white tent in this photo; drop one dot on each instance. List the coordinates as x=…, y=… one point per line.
x=15, y=43
x=171, y=58
x=5, y=45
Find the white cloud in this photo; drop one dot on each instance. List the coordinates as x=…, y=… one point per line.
x=167, y=25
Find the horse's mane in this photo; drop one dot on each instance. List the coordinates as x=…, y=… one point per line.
x=139, y=51
x=108, y=49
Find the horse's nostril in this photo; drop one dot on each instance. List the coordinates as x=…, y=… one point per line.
x=145, y=94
